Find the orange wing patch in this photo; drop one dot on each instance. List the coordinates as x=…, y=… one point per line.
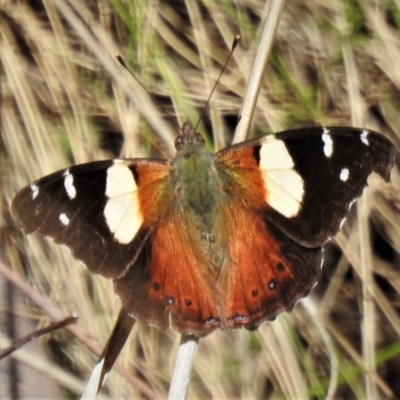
x=261, y=278
x=242, y=170
x=152, y=190
x=181, y=281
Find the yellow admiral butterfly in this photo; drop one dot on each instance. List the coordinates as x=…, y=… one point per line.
x=206, y=241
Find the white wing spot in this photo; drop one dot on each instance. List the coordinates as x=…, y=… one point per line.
x=364, y=137
x=69, y=184
x=64, y=219
x=328, y=143
x=284, y=186
x=344, y=174
x=35, y=191
x=122, y=211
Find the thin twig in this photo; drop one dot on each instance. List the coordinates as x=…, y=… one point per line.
x=183, y=367
x=43, y=367
x=16, y=344
x=253, y=88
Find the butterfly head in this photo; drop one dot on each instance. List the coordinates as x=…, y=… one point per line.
x=188, y=140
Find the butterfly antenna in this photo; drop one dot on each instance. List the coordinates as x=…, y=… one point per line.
x=234, y=44
x=122, y=62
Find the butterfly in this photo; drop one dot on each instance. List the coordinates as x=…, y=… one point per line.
x=207, y=241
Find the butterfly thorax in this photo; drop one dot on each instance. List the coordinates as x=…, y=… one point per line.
x=198, y=193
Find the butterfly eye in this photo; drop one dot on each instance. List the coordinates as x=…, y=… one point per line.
x=199, y=138
x=179, y=141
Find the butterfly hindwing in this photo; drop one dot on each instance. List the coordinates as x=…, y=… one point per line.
x=267, y=272
x=173, y=287
x=97, y=210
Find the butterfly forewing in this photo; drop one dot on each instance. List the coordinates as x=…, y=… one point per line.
x=102, y=211
x=310, y=176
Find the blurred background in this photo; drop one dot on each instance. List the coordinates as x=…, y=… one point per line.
x=65, y=100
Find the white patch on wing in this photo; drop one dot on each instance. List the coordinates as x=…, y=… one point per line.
x=64, y=219
x=122, y=211
x=35, y=191
x=344, y=174
x=364, y=137
x=69, y=184
x=284, y=186
x=328, y=143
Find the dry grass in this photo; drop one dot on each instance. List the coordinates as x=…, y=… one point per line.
x=65, y=101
